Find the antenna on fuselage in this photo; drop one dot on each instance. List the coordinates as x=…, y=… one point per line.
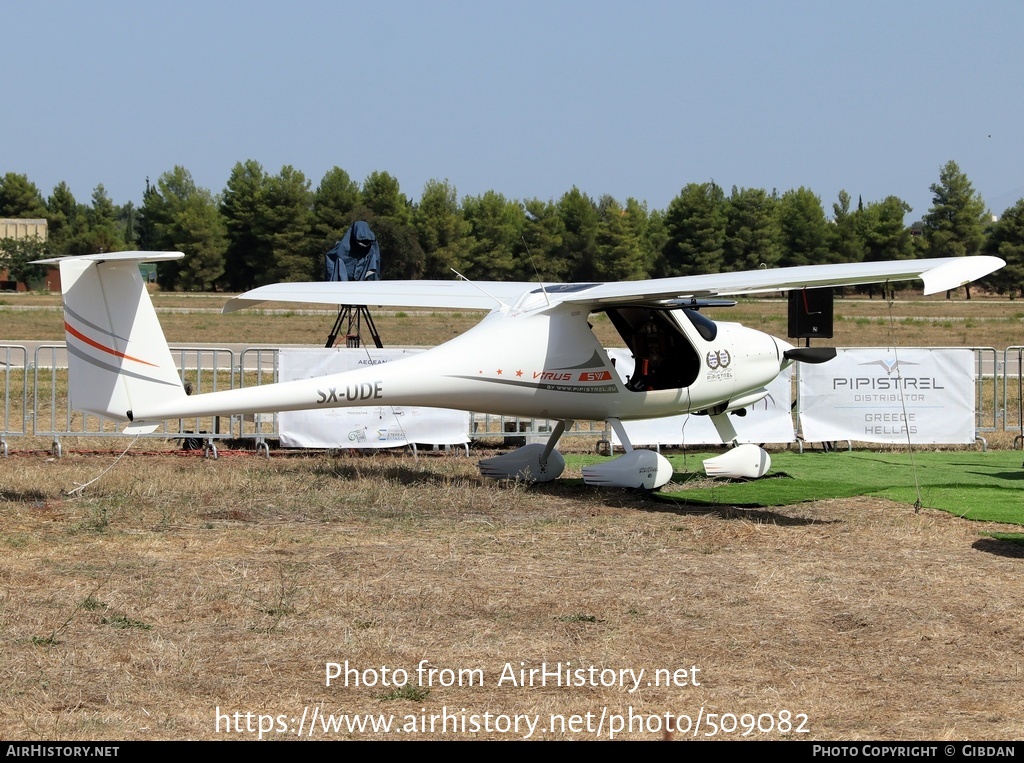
x=534, y=264
x=481, y=288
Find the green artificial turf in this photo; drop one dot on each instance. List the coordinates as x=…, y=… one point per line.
x=985, y=486
x=1017, y=538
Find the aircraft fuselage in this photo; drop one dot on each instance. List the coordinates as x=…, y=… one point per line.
x=540, y=362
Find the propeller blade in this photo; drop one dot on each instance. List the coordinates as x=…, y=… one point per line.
x=810, y=354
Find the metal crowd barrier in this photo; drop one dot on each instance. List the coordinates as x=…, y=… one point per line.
x=258, y=365
x=36, y=401
x=14, y=360
x=986, y=388
x=1013, y=392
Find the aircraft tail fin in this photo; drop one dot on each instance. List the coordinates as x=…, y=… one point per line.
x=118, y=358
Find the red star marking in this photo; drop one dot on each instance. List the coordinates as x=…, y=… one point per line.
x=519, y=372
x=499, y=372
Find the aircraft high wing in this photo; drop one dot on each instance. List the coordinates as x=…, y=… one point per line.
x=532, y=355
x=937, y=275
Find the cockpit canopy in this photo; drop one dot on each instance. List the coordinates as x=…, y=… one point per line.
x=664, y=357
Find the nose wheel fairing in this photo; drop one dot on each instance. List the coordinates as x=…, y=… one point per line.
x=636, y=469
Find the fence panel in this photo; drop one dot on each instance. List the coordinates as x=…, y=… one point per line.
x=1013, y=391
x=987, y=401
x=14, y=367
x=52, y=413
x=257, y=366
x=206, y=369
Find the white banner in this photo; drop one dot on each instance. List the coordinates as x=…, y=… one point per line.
x=889, y=396
x=768, y=420
x=363, y=426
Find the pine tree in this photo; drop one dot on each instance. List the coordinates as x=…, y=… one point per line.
x=955, y=224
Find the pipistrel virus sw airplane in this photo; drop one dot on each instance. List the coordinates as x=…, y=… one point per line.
x=533, y=355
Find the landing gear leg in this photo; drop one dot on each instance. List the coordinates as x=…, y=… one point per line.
x=531, y=463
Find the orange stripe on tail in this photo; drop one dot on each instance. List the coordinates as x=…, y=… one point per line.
x=108, y=350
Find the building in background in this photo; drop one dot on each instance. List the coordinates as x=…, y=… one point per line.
x=18, y=229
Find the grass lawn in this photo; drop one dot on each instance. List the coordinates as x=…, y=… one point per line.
x=975, y=485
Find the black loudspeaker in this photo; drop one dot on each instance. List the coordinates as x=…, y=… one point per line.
x=810, y=313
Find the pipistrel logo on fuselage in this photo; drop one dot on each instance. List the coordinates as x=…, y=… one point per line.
x=718, y=362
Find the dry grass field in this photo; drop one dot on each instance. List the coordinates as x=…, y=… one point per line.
x=183, y=598
x=177, y=587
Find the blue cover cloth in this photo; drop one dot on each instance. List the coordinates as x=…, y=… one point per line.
x=356, y=257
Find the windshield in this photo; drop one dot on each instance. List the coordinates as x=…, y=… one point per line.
x=706, y=327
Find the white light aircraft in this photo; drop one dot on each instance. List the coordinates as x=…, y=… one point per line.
x=533, y=355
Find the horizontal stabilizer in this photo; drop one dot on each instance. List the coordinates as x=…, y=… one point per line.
x=115, y=257
x=142, y=427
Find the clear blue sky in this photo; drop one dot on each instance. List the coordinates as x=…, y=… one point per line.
x=526, y=98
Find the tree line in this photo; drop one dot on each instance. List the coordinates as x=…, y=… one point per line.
x=265, y=228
